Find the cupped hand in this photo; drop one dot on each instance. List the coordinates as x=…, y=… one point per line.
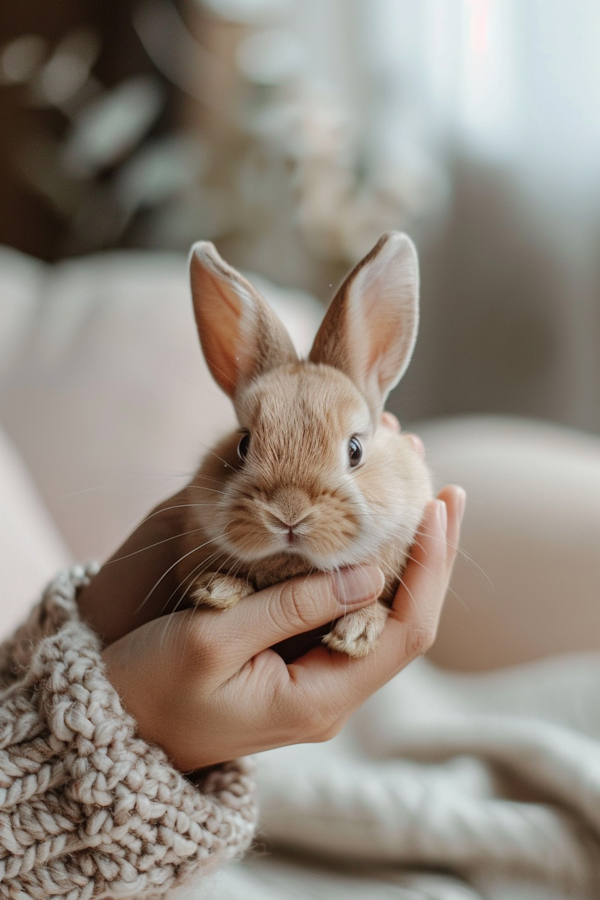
x=206, y=685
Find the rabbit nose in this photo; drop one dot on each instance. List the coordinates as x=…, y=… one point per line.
x=293, y=531
x=289, y=509
x=282, y=521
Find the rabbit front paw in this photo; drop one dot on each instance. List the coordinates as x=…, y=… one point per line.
x=220, y=591
x=357, y=632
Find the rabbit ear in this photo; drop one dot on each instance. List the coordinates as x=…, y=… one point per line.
x=240, y=334
x=370, y=328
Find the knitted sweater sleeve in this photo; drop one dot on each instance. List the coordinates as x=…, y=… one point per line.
x=87, y=808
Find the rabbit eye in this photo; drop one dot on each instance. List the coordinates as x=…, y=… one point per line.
x=355, y=451
x=243, y=447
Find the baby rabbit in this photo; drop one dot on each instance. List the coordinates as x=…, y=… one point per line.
x=312, y=480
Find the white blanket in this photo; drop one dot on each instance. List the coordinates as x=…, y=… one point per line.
x=445, y=787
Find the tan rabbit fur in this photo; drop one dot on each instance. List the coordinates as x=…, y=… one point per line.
x=313, y=480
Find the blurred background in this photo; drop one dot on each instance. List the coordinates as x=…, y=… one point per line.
x=293, y=132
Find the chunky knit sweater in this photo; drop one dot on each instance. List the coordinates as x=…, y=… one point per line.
x=87, y=808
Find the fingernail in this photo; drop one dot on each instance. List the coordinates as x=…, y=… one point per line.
x=357, y=585
x=441, y=514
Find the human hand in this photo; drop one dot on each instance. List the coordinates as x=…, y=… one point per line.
x=206, y=686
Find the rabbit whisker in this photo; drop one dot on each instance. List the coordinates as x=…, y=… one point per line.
x=171, y=567
x=172, y=537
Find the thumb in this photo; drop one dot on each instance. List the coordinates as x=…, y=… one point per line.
x=299, y=605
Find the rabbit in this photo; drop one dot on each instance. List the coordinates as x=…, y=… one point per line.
x=312, y=480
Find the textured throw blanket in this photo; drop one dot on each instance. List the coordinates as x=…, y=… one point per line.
x=445, y=787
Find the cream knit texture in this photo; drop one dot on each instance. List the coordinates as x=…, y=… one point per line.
x=87, y=808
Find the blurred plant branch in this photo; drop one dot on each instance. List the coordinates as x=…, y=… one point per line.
x=226, y=137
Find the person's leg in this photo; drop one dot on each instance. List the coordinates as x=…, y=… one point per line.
x=31, y=550
x=529, y=583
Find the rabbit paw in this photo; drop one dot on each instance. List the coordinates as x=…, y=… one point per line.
x=220, y=591
x=357, y=632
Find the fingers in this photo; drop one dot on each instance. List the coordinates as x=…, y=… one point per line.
x=417, y=443
x=336, y=682
x=455, y=499
x=418, y=602
x=390, y=421
x=215, y=666
x=415, y=613
x=297, y=606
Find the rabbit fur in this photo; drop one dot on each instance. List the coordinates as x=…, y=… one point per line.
x=291, y=493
